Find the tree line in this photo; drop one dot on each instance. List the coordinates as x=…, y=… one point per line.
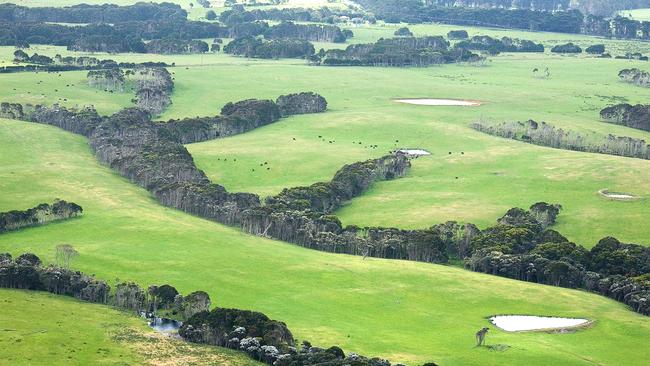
x=84, y=13
x=495, y=45
x=251, y=332
x=39, y=215
x=519, y=17
x=132, y=145
x=398, y=52
x=634, y=116
x=522, y=248
x=38, y=62
x=237, y=14
x=545, y=134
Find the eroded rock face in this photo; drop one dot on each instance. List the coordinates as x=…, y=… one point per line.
x=635, y=116
x=301, y=103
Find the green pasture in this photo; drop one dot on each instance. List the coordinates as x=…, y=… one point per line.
x=405, y=311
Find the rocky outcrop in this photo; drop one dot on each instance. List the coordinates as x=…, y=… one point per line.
x=301, y=103
x=39, y=215
x=634, y=116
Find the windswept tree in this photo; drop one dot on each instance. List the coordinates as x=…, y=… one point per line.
x=65, y=254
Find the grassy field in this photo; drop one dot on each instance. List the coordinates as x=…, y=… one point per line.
x=43, y=329
x=405, y=311
x=636, y=14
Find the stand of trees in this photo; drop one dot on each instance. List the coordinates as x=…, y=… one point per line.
x=505, y=44
x=170, y=46
x=83, y=13
x=548, y=135
x=109, y=79
x=538, y=5
x=69, y=63
x=517, y=247
x=39, y=215
x=635, y=76
x=257, y=47
x=457, y=34
x=135, y=147
x=251, y=332
x=566, y=48
x=634, y=116
x=400, y=52
x=308, y=32
x=153, y=88
x=321, y=15
x=512, y=14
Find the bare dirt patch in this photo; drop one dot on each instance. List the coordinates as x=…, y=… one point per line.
x=440, y=102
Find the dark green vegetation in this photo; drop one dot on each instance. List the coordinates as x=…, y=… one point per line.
x=401, y=52
x=39, y=215
x=261, y=48
x=72, y=332
x=494, y=46
x=500, y=15
x=469, y=177
x=252, y=332
x=635, y=76
x=566, y=48
x=548, y=135
x=129, y=143
x=635, y=116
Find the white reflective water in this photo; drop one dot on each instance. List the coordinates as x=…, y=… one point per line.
x=516, y=323
x=440, y=102
x=414, y=152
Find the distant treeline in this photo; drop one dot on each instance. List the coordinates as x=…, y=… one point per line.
x=401, y=52
x=495, y=45
x=545, y=134
x=251, y=332
x=83, y=13
x=164, y=25
x=39, y=215
x=538, y=5
x=257, y=47
x=69, y=63
x=571, y=21
x=322, y=15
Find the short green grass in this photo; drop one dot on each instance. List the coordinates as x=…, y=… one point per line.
x=405, y=311
x=41, y=329
x=38, y=328
x=636, y=14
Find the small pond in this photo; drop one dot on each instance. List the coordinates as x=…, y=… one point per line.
x=518, y=323
x=163, y=325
